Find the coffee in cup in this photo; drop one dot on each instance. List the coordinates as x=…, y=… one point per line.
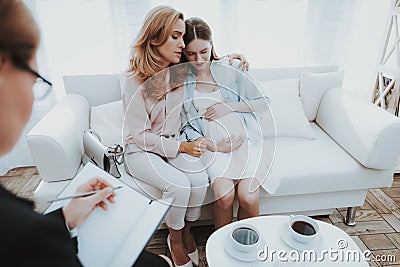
x=244, y=237
x=303, y=228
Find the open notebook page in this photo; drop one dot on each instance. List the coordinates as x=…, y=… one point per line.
x=100, y=238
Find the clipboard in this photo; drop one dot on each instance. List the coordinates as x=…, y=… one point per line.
x=115, y=237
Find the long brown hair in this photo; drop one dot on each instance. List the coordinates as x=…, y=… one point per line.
x=196, y=28
x=145, y=60
x=19, y=35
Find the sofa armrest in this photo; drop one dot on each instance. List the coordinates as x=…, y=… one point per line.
x=56, y=142
x=368, y=133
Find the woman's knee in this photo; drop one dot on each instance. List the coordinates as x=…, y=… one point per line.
x=248, y=200
x=225, y=201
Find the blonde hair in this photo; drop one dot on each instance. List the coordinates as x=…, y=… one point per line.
x=145, y=60
x=156, y=28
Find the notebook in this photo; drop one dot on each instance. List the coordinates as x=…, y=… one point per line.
x=117, y=236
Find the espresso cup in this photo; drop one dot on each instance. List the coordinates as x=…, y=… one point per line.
x=244, y=237
x=303, y=228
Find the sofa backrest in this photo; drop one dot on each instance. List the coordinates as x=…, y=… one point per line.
x=266, y=74
x=104, y=88
x=98, y=88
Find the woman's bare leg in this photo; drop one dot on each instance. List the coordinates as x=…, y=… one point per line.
x=224, y=191
x=188, y=239
x=249, y=198
x=178, y=252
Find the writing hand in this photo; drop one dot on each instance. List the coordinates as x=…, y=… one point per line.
x=78, y=209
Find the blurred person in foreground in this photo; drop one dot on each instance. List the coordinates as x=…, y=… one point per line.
x=29, y=238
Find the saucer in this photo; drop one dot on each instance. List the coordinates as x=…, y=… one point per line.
x=240, y=255
x=287, y=238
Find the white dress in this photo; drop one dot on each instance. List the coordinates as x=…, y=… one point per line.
x=239, y=164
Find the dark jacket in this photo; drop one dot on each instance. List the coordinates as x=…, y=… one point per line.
x=31, y=239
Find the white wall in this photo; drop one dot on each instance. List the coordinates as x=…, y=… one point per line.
x=368, y=33
x=80, y=38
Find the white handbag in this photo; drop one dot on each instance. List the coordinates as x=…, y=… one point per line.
x=107, y=158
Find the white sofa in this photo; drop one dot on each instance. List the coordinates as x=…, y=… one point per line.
x=354, y=146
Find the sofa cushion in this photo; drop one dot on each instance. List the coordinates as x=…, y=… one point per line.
x=106, y=121
x=320, y=165
x=287, y=111
x=313, y=86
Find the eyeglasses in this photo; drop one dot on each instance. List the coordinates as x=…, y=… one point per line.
x=39, y=91
x=27, y=68
x=40, y=77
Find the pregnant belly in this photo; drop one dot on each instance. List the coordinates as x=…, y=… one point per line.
x=224, y=127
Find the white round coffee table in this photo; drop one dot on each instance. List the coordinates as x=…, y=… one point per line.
x=332, y=247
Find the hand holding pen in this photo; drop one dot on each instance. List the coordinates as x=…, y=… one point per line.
x=78, y=209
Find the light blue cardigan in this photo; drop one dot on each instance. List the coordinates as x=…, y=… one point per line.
x=236, y=86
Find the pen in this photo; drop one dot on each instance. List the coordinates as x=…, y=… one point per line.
x=81, y=194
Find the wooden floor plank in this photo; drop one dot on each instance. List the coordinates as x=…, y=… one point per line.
x=376, y=204
x=11, y=184
x=5, y=179
x=11, y=173
x=377, y=242
x=395, y=239
x=27, y=190
x=29, y=171
x=392, y=192
x=397, y=200
x=393, y=221
x=372, y=227
x=396, y=181
x=366, y=206
x=20, y=183
x=365, y=215
x=387, y=201
x=336, y=217
x=363, y=247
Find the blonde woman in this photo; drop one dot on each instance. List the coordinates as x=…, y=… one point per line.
x=152, y=100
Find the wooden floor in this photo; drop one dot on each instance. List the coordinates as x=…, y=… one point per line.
x=377, y=228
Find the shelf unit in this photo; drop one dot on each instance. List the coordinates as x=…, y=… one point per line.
x=387, y=84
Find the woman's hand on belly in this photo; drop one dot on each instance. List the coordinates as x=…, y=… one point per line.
x=217, y=111
x=226, y=145
x=195, y=148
